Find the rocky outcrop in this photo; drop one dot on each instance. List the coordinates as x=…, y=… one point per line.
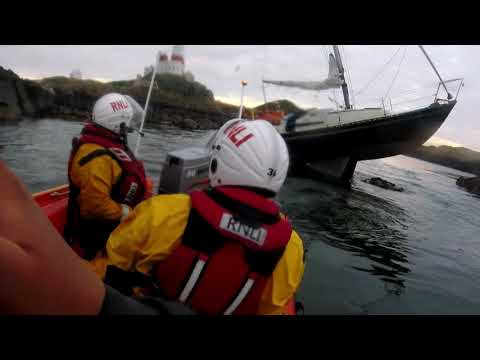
x=41, y=98
x=24, y=99
x=20, y=97
x=459, y=158
x=471, y=184
x=174, y=101
x=9, y=105
x=187, y=106
x=72, y=105
x=187, y=118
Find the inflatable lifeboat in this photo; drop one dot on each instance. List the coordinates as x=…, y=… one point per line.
x=53, y=203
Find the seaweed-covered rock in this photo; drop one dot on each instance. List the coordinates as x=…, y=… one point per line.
x=471, y=184
x=377, y=181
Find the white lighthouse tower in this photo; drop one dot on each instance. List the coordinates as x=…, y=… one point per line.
x=76, y=74
x=163, y=63
x=178, y=60
x=175, y=65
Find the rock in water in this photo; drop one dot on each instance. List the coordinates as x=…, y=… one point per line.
x=383, y=184
x=471, y=184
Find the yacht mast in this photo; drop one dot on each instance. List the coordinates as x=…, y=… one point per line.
x=342, y=77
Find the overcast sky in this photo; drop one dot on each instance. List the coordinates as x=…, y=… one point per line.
x=399, y=73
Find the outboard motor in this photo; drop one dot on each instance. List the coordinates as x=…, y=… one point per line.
x=185, y=170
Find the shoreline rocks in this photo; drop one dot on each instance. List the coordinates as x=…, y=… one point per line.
x=72, y=99
x=471, y=184
x=459, y=158
x=175, y=101
x=20, y=97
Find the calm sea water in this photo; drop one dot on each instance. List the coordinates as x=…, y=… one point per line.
x=369, y=250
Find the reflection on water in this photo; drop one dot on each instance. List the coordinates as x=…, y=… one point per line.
x=355, y=221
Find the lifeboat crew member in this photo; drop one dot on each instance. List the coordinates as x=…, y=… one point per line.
x=106, y=180
x=224, y=250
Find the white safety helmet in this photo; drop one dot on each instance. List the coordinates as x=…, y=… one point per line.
x=136, y=120
x=113, y=109
x=221, y=131
x=248, y=153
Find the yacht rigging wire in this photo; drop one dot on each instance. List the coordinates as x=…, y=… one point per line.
x=379, y=73
x=398, y=71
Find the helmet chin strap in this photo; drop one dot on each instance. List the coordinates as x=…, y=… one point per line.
x=124, y=130
x=123, y=133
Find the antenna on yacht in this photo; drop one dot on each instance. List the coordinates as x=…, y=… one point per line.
x=244, y=83
x=264, y=93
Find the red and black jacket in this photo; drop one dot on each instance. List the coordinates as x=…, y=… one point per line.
x=129, y=189
x=230, y=247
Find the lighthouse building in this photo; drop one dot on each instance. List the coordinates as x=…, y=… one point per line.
x=175, y=65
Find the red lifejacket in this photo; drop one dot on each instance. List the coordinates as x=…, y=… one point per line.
x=233, y=241
x=131, y=187
x=88, y=236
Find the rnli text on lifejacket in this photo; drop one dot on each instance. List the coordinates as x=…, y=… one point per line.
x=257, y=235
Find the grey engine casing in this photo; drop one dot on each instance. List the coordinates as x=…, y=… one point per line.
x=185, y=170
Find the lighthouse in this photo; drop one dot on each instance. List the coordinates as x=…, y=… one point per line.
x=175, y=65
x=163, y=63
x=178, y=54
x=76, y=74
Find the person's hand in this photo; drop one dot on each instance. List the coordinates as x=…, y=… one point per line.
x=126, y=210
x=39, y=272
